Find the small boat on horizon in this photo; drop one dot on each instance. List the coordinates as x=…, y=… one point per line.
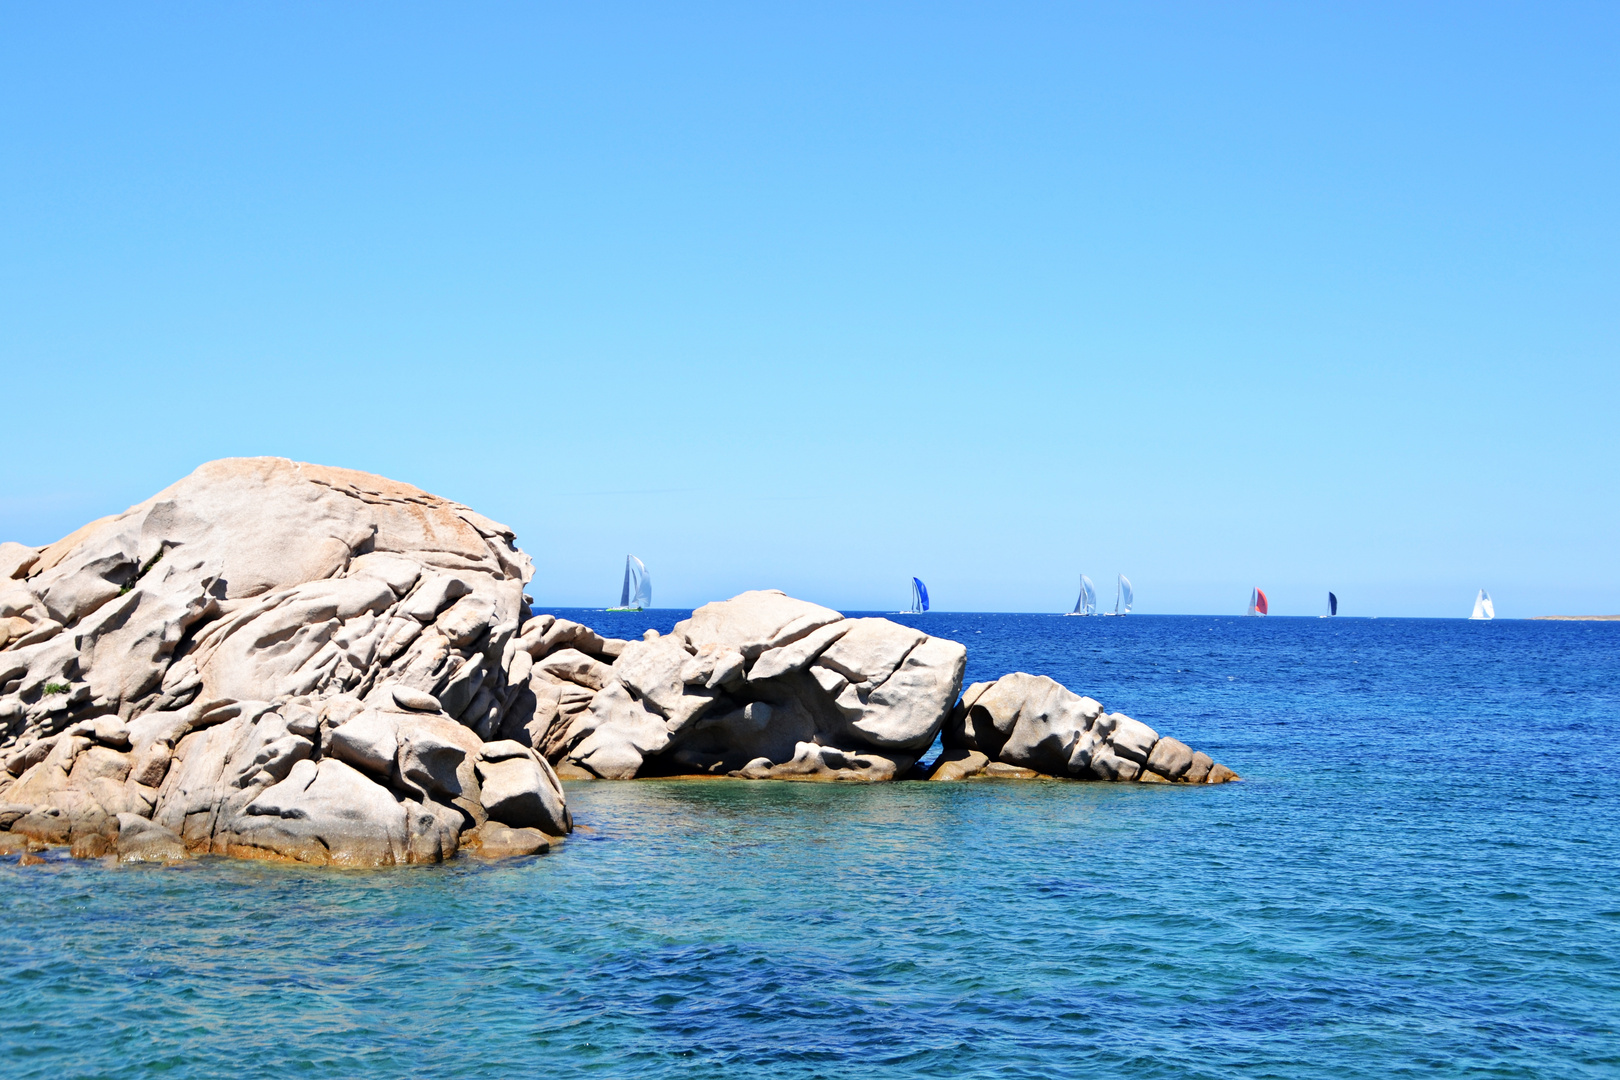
x=1123, y=597
x=1333, y=607
x=1484, y=610
x=1087, y=603
x=1257, y=602
x=636, y=594
x=919, y=598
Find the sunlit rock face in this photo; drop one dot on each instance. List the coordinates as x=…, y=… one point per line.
x=273, y=660
x=761, y=686
x=1029, y=725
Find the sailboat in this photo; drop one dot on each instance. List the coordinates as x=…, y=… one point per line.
x=1257, y=602
x=1123, y=597
x=637, y=591
x=1483, y=608
x=1087, y=604
x=1333, y=607
x=919, y=598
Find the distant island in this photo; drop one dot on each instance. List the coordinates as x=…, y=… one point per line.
x=1576, y=618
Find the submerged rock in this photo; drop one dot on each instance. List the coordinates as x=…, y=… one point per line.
x=1029, y=725
x=271, y=660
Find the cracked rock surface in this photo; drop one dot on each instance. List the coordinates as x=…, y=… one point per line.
x=273, y=660
x=761, y=686
x=1029, y=725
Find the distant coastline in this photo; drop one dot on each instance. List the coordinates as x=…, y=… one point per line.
x=1576, y=618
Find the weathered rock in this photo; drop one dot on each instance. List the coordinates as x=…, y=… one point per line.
x=1198, y=771
x=409, y=698
x=519, y=789
x=757, y=678
x=1031, y=724
x=1171, y=758
x=321, y=813
x=493, y=841
x=1130, y=738
x=755, y=621
x=139, y=840
x=368, y=740
x=811, y=761
x=619, y=732
x=1004, y=771
x=571, y=665
x=265, y=659
x=438, y=759
x=903, y=707
x=562, y=634
x=958, y=763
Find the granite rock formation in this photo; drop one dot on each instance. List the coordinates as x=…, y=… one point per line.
x=761, y=686
x=271, y=660
x=285, y=661
x=1029, y=725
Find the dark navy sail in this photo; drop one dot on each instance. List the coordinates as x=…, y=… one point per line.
x=1333, y=604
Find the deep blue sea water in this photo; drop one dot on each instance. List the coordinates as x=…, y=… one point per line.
x=1419, y=876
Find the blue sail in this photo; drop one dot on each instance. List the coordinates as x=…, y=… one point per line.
x=1333, y=604
x=919, y=595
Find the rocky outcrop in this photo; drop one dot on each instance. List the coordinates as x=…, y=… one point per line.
x=284, y=661
x=764, y=686
x=760, y=686
x=1029, y=725
x=271, y=660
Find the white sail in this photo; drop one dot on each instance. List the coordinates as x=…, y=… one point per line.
x=1483, y=608
x=643, y=594
x=636, y=593
x=1087, y=603
x=1124, y=598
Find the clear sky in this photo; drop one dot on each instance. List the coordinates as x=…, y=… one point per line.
x=820, y=296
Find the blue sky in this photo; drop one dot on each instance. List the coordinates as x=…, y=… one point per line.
x=822, y=296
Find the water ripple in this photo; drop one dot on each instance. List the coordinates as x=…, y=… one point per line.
x=1417, y=879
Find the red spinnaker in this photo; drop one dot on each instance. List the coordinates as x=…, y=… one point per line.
x=1260, y=604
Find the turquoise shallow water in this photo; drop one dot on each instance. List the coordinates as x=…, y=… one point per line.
x=1418, y=877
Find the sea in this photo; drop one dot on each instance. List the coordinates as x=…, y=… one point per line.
x=1419, y=875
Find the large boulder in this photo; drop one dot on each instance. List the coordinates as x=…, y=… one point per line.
x=268, y=659
x=760, y=686
x=519, y=789
x=1029, y=725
